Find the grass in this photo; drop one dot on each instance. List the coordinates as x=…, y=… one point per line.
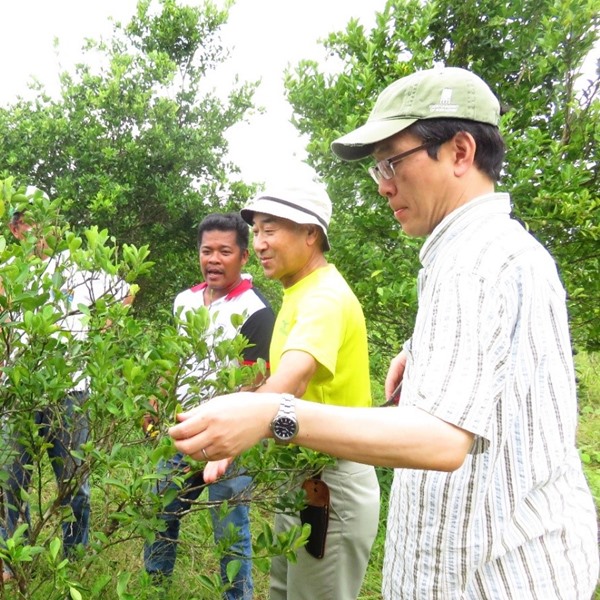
x=588, y=436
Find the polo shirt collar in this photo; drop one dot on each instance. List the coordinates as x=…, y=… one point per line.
x=243, y=286
x=454, y=224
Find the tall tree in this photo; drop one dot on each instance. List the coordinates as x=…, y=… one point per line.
x=531, y=54
x=135, y=142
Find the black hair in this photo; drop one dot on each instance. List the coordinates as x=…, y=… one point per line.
x=323, y=243
x=226, y=222
x=490, y=150
x=16, y=217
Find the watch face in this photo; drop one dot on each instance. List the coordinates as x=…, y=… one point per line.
x=284, y=428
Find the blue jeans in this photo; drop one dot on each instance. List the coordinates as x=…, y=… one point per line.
x=64, y=429
x=159, y=557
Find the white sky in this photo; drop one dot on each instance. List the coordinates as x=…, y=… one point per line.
x=264, y=37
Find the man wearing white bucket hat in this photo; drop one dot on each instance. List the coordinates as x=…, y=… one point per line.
x=318, y=352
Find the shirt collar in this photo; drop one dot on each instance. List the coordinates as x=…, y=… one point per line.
x=243, y=286
x=452, y=225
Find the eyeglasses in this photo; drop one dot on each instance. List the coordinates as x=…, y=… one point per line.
x=384, y=169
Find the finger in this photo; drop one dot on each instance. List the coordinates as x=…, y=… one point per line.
x=209, y=474
x=188, y=427
x=184, y=416
x=394, y=374
x=192, y=446
x=391, y=383
x=212, y=471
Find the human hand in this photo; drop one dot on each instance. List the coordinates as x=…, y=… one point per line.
x=215, y=469
x=225, y=426
x=395, y=374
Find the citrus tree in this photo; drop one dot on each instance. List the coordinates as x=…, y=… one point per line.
x=123, y=361
x=531, y=54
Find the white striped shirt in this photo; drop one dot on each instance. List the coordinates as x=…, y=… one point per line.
x=491, y=353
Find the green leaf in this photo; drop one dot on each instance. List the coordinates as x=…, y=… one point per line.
x=54, y=548
x=233, y=568
x=75, y=593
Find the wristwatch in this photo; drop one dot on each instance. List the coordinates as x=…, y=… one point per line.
x=285, y=425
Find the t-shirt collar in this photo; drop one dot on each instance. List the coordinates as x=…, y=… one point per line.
x=243, y=286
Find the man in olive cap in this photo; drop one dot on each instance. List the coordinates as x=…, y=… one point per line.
x=489, y=499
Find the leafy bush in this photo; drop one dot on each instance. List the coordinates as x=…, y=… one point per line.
x=127, y=361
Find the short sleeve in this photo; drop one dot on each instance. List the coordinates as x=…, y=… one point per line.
x=319, y=328
x=258, y=330
x=455, y=361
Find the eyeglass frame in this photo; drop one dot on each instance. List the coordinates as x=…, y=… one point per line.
x=376, y=172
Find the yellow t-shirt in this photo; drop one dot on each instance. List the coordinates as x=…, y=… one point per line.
x=321, y=315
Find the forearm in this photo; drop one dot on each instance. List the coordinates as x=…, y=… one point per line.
x=295, y=371
x=284, y=384
x=390, y=437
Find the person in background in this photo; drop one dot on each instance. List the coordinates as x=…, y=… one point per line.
x=63, y=426
x=489, y=499
x=319, y=352
x=226, y=291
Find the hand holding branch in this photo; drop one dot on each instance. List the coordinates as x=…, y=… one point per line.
x=225, y=426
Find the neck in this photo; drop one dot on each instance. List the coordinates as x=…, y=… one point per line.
x=211, y=294
x=317, y=261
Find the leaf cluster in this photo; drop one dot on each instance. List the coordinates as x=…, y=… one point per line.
x=531, y=55
x=127, y=361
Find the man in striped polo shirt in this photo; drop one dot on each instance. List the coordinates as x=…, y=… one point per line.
x=225, y=292
x=489, y=499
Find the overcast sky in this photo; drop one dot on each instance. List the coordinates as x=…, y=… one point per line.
x=264, y=36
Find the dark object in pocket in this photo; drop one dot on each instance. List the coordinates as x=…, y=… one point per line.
x=316, y=514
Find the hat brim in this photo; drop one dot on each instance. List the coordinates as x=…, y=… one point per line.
x=267, y=207
x=361, y=142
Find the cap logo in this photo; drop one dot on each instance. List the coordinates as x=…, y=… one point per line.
x=445, y=104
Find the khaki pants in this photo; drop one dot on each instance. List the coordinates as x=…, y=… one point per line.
x=353, y=521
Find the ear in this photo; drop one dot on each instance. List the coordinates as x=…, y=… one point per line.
x=245, y=256
x=464, y=147
x=312, y=234
x=15, y=230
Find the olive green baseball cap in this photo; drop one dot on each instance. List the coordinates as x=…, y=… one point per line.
x=441, y=92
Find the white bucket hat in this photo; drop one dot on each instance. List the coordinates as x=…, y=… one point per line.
x=307, y=204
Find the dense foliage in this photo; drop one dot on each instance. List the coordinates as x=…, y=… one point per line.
x=135, y=142
x=127, y=361
x=531, y=54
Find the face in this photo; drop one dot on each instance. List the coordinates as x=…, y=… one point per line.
x=221, y=261
x=418, y=192
x=282, y=247
x=19, y=228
